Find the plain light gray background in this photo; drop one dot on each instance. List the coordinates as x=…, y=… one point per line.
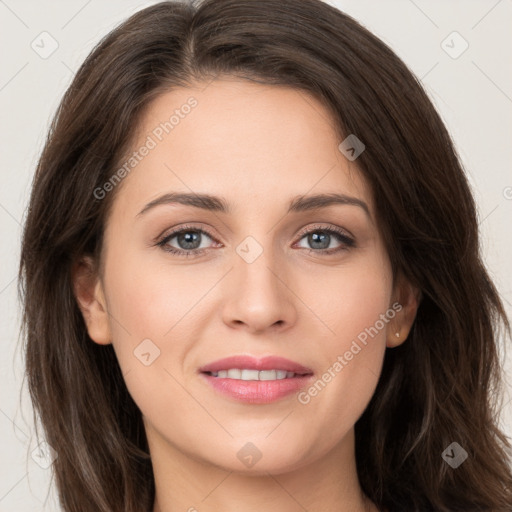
x=471, y=87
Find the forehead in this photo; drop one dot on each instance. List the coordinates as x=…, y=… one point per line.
x=257, y=145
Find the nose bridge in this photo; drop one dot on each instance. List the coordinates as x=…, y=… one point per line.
x=255, y=265
x=257, y=295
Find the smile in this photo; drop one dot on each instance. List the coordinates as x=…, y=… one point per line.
x=246, y=374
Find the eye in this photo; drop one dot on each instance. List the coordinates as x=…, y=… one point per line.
x=188, y=239
x=320, y=238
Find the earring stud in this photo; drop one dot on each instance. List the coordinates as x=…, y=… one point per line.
x=397, y=334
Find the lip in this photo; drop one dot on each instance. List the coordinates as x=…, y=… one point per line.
x=255, y=391
x=253, y=363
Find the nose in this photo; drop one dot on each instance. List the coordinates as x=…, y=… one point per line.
x=258, y=295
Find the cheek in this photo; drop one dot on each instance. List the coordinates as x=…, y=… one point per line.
x=157, y=313
x=150, y=308
x=348, y=299
x=355, y=306
x=145, y=303
x=149, y=298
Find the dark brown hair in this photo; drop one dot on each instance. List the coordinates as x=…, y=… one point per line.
x=441, y=385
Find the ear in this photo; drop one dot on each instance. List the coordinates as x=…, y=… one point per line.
x=406, y=300
x=89, y=294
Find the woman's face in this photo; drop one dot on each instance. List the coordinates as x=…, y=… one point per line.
x=273, y=273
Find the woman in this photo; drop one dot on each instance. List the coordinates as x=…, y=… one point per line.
x=251, y=276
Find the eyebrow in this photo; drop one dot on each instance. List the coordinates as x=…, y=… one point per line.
x=219, y=204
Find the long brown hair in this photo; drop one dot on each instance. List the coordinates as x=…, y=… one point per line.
x=441, y=386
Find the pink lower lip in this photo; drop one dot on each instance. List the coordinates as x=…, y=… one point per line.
x=257, y=391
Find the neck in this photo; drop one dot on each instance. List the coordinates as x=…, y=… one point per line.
x=328, y=484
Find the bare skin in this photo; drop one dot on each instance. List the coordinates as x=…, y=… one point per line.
x=259, y=147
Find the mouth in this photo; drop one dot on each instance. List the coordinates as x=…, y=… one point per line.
x=248, y=374
x=256, y=381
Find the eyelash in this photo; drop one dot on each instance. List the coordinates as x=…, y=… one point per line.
x=346, y=241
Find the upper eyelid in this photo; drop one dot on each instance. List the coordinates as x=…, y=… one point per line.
x=178, y=230
x=318, y=227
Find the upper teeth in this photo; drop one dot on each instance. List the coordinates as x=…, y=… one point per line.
x=235, y=373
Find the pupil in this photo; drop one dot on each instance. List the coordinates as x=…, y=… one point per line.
x=188, y=239
x=316, y=238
